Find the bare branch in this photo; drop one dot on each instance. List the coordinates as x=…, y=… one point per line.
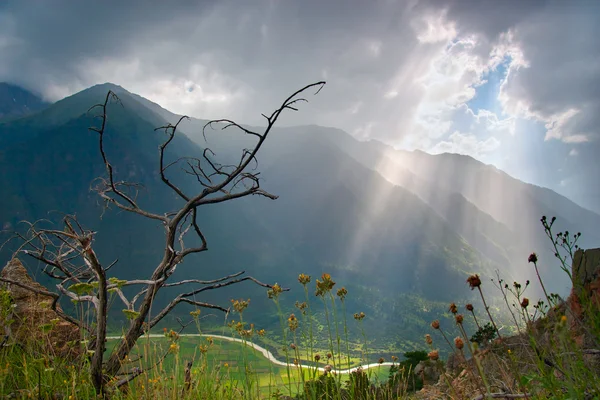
x=109, y=185
x=170, y=130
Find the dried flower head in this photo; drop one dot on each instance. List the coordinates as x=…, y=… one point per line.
x=434, y=355
x=359, y=316
x=428, y=339
x=325, y=285
x=317, y=357
x=469, y=307
x=459, y=318
x=474, y=281
x=240, y=305
x=525, y=302
x=292, y=322
x=453, y=308
x=458, y=342
x=532, y=258
x=381, y=360
x=293, y=346
x=435, y=324
x=302, y=307
x=304, y=279
x=328, y=368
x=341, y=293
x=275, y=291
x=329, y=355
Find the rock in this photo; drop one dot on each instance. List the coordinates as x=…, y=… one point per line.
x=428, y=371
x=455, y=364
x=34, y=322
x=585, y=294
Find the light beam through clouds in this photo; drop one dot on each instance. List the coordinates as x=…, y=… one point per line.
x=496, y=80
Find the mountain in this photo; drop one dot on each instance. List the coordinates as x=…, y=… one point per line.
x=391, y=230
x=494, y=213
x=17, y=102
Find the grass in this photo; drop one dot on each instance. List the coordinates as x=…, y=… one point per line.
x=551, y=351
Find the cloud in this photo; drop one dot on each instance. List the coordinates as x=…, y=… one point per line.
x=466, y=144
x=397, y=71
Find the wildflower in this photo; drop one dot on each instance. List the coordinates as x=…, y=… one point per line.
x=293, y=346
x=469, y=307
x=434, y=355
x=428, y=339
x=394, y=358
x=474, y=281
x=317, y=357
x=226, y=365
x=458, y=342
x=301, y=306
x=329, y=355
x=381, y=360
x=240, y=305
x=195, y=313
x=325, y=285
x=261, y=332
x=563, y=319
x=359, y=316
x=341, y=293
x=293, y=322
x=203, y=348
x=525, y=302
x=328, y=368
x=173, y=347
x=453, y=308
x=275, y=291
x=532, y=258
x=459, y=318
x=296, y=361
x=435, y=324
x=304, y=279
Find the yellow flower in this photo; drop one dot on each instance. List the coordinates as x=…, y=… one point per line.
x=563, y=319
x=293, y=322
x=173, y=347
x=226, y=365
x=275, y=291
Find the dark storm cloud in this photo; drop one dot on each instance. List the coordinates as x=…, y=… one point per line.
x=254, y=53
x=207, y=58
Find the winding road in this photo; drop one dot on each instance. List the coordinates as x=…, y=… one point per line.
x=268, y=355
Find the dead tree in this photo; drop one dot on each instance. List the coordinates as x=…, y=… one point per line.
x=70, y=259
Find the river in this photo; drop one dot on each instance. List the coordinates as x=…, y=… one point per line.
x=266, y=353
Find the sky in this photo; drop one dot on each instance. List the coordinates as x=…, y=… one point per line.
x=512, y=83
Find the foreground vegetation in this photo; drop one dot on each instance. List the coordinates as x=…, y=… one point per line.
x=553, y=353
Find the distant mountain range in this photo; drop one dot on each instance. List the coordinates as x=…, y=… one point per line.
x=18, y=102
x=396, y=228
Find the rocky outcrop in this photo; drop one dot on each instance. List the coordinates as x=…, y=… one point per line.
x=584, y=299
x=32, y=322
x=427, y=371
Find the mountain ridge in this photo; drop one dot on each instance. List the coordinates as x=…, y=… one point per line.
x=336, y=213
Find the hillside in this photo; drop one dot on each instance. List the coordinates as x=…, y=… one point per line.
x=17, y=102
x=388, y=240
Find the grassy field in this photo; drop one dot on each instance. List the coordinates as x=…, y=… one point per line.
x=233, y=362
